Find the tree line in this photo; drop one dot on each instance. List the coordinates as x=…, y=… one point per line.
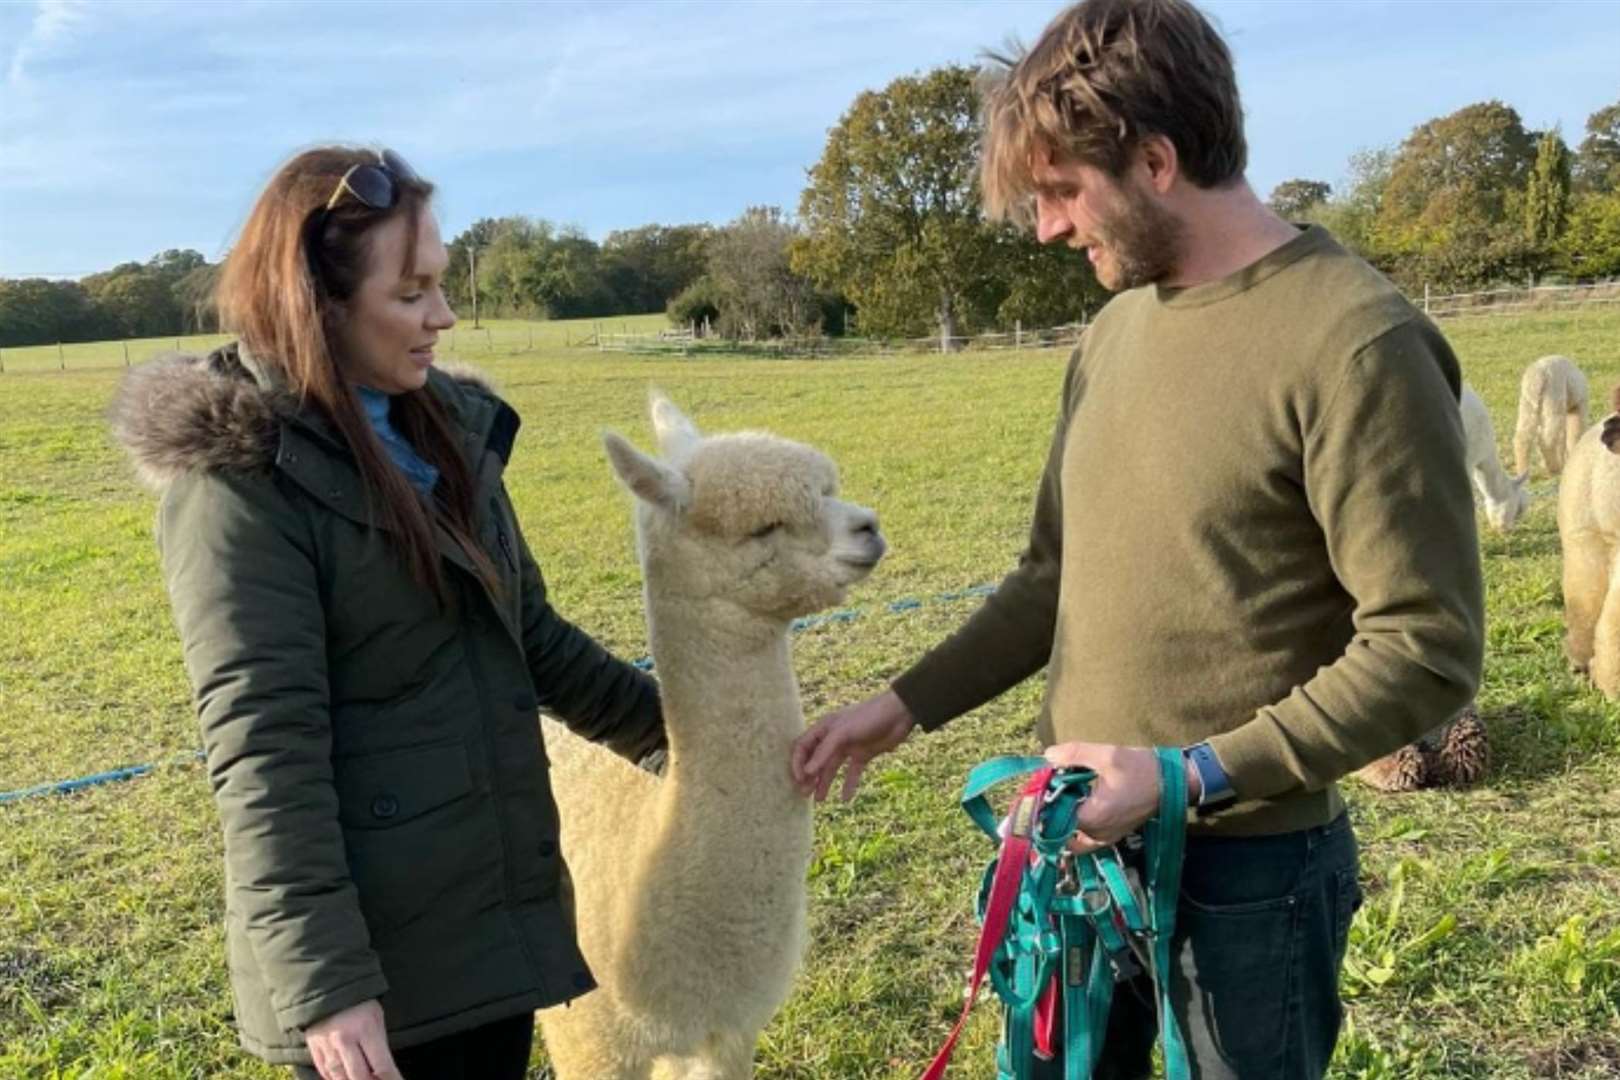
x=888, y=239
x=1474, y=199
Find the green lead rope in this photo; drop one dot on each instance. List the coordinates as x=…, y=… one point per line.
x=1080, y=923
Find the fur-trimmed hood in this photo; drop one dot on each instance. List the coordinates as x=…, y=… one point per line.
x=225, y=411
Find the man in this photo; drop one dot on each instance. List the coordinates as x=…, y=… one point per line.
x=1254, y=537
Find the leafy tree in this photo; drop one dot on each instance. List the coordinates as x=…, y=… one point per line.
x=697, y=304
x=1452, y=209
x=1453, y=170
x=645, y=268
x=1590, y=246
x=1352, y=216
x=1292, y=199
x=891, y=213
x=1546, y=199
x=35, y=311
x=1597, y=161
x=139, y=302
x=759, y=293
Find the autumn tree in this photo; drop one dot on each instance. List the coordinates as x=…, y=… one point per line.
x=891, y=214
x=1293, y=199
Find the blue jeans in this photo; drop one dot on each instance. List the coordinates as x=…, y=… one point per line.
x=1261, y=928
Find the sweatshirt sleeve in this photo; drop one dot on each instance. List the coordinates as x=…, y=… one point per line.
x=241, y=575
x=599, y=696
x=1386, y=478
x=1009, y=638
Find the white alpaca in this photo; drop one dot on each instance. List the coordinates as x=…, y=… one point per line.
x=1589, y=532
x=690, y=888
x=1552, y=413
x=1504, y=496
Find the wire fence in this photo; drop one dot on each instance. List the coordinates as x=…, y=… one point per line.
x=1510, y=301
x=649, y=335
x=688, y=343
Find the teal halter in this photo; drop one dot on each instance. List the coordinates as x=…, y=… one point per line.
x=1071, y=926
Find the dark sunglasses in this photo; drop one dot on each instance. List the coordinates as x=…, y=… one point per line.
x=376, y=186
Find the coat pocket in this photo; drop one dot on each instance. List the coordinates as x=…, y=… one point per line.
x=416, y=836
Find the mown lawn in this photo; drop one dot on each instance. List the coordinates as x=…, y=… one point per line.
x=1489, y=947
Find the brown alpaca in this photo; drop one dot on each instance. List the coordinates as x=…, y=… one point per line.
x=1454, y=754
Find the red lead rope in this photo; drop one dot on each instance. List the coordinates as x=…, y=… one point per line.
x=1010, y=865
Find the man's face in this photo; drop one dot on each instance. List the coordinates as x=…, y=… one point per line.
x=1129, y=237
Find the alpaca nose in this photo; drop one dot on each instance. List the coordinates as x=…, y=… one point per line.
x=865, y=527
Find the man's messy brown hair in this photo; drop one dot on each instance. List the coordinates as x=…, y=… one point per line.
x=1104, y=75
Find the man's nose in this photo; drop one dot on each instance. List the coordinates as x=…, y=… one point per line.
x=1051, y=225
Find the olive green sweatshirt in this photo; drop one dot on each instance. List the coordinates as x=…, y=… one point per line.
x=1254, y=527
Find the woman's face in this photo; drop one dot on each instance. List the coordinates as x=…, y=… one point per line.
x=390, y=324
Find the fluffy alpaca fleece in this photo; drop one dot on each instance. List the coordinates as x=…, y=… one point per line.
x=1505, y=497
x=1552, y=413
x=690, y=888
x=1589, y=532
x=1454, y=754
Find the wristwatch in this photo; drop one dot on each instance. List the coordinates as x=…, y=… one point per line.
x=1214, y=787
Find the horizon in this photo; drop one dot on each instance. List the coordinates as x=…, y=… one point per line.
x=617, y=115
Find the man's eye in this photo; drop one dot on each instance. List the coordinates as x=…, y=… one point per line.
x=411, y=298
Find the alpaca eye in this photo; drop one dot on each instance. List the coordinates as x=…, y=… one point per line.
x=762, y=533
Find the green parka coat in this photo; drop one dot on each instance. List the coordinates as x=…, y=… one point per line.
x=389, y=828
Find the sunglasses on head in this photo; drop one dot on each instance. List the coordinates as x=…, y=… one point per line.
x=374, y=185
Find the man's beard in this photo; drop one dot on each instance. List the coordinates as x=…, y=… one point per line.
x=1143, y=244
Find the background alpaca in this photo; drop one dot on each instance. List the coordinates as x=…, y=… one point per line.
x=1505, y=497
x=690, y=888
x=1552, y=413
x=1589, y=532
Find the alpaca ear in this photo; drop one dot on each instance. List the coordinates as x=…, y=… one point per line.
x=677, y=435
x=648, y=478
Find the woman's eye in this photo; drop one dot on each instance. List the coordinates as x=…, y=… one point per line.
x=411, y=298
x=762, y=533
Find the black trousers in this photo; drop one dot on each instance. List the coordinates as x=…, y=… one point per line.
x=1261, y=929
x=495, y=1051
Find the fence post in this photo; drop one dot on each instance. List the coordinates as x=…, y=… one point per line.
x=452, y=340
x=489, y=340
x=1425, y=298
x=2, y=361
x=596, y=328
x=61, y=358
x=125, y=344
x=1018, y=335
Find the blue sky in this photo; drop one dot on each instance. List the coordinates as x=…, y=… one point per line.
x=128, y=127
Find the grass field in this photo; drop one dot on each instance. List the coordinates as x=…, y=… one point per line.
x=1489, y=946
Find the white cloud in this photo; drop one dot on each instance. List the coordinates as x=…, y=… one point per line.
x=54, y=23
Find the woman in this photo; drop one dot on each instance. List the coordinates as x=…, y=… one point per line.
x=369, y=641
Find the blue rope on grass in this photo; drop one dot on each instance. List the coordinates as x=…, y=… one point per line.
x=645, y=663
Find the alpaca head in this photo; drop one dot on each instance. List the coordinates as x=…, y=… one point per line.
x=748, y=519
x=1504, y=515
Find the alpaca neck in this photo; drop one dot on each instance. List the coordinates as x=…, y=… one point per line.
x=731, y=703
x=1493, y=481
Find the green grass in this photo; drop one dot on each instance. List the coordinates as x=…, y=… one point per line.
x=1489, y=946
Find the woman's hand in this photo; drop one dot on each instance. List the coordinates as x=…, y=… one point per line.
x=352, y=1044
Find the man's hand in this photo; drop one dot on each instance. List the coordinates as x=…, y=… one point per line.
x=1124, y=795
x=352, y=1045
x=851, y=736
